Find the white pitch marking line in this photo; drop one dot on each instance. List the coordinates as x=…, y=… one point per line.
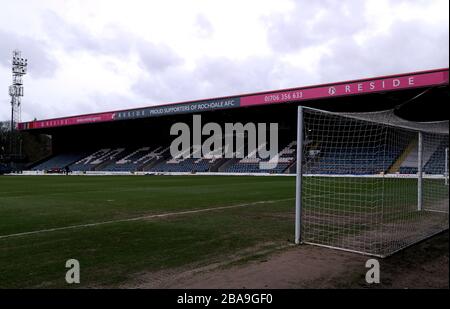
x=141, y=218
x=438, y=211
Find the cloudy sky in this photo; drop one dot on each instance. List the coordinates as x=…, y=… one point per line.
x=101, y=55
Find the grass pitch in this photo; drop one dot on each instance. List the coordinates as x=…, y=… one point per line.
x=111, y=224
x=112, y=253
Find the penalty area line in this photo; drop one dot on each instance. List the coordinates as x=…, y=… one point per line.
x=168, y=214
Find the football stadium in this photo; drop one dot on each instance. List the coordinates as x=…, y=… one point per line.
x=361, y=167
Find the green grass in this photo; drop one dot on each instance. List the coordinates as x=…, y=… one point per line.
x=114, y=253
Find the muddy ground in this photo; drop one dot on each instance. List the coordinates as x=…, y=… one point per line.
x=424, y=265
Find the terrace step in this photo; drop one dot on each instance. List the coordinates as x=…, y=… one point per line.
x=396, y=166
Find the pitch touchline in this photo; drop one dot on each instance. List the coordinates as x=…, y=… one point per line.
x=141, y=218
x=116, y=190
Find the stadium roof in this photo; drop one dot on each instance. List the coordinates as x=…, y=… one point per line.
x=380, y=84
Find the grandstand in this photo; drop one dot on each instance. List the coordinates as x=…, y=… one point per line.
x=362, y=190
x=187, y=162
x=137, y=159
x=97, y=159
x=356, y=160
x=433, y=157
x=436, y=163
x=253, y=163
x=110, y=142
x=357, y=157
x=58, y=162
x=361, y=158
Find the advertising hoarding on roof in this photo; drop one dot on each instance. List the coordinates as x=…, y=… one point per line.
x=340, y=89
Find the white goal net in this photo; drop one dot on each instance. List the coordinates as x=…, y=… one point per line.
x=368, y=183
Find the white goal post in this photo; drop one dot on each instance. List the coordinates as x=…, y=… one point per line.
x=369, y=183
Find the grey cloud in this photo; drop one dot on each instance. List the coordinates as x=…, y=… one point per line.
x=203, y=26
x=154, y=57
x=89, y=103
x=168, y=86
x=234, y=76
x=215, y=77
x=408, y=46
x=68, y=35
x=314, y=22
x=41, y=63
x=73, y=37
x=33, y=108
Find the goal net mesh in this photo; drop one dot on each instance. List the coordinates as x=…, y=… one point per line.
x=360, y=183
